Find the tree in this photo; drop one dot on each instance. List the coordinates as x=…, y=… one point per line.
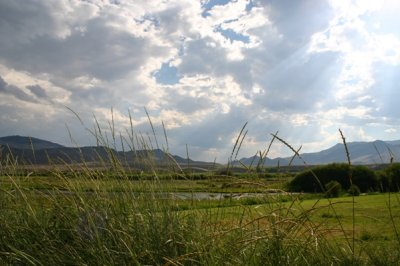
x=314, y=179
x=333, y=189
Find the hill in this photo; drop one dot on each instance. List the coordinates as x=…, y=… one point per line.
x=45, y=152
x=375, y=152
x=26, y=143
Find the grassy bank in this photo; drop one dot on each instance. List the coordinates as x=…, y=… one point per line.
x=84, y=220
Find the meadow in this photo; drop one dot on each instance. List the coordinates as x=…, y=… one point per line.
x=86, y=219
x=80, y=215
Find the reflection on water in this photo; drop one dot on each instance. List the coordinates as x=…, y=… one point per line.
x=182, y=195
x=215, y=196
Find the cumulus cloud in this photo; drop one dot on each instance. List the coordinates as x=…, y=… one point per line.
x=203, y=68
x=37, y=91
x=15, y=91
x=3, y=84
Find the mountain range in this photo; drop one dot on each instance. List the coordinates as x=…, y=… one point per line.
x=374, y=152
x=37, y=151
x=28, y=150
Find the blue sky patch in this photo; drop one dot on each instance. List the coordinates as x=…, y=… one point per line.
x=210, y=4
x=232, y=35
x=167, y=75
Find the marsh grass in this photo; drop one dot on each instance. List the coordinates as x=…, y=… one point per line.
x=82, y=217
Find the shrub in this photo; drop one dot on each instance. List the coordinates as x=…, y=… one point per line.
x=333, y=189
x=226, y=172
x=354, y=190
x=383, y=180
x=363, y=177
x=390, y=178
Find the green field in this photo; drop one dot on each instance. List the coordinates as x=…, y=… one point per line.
x=87, y=218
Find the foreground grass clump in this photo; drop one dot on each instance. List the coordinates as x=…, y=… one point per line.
x=97, y=228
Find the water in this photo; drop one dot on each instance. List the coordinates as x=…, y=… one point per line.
x=215, y=196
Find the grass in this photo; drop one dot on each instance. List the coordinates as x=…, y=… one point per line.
x=211, y=183
x=63, y=223
x=371, y=214
x=92, y=217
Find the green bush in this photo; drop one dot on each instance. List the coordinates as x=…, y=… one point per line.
x=312, y=180
x=384, y=182
x=333, y=189
x=389, y=178
x=354, y=190
x=226, y=172
x=364, y=178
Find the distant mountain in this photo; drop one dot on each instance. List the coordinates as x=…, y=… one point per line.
x=45, y=152
x=26, y=143
x=255, y=160
x=393, y=142
x=375, y=152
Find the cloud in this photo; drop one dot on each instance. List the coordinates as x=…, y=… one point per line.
x=203, y=68
x=15, y=91
x=3, y=84
x=101, y=52
x=369, y=59
x=37, y=91
x=391, y=130
x=385, y=93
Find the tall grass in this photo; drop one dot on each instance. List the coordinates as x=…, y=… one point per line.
x=70, y=224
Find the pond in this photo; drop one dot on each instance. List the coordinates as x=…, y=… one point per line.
x=217, y=196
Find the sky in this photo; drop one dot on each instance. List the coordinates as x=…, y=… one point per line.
x=202, y=69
